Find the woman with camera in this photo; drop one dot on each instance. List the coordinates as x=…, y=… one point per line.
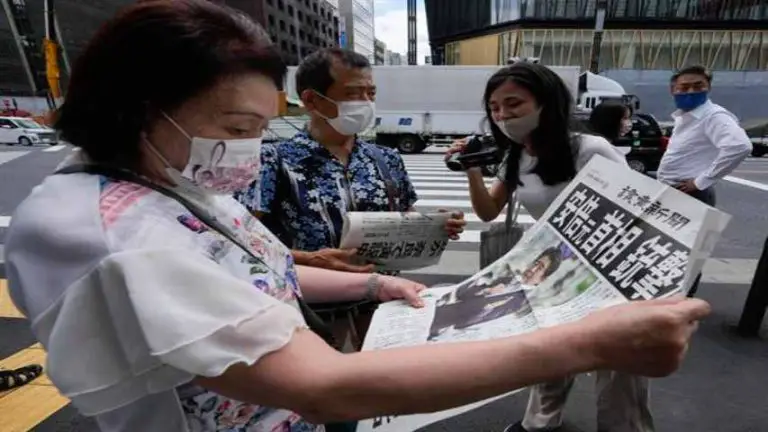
x=529, y=110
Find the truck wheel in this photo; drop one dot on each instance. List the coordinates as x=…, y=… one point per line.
x=758, y=152
x=637, y=165
x=410, y=144
x=25, y=141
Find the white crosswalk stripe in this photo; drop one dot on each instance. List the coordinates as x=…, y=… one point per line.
x=440, y=188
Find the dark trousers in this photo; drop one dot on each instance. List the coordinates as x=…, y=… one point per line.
x=707, y=196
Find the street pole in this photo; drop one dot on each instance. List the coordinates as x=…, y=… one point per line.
x=757, y=300
x=597, y=39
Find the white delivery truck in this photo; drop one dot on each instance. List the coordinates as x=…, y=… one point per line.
x=595, y=89
x=419, y=106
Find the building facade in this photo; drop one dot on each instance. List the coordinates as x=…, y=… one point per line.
x=76, y=22
x=297, y=27
x=639, y=34
x=357, y=18
x=380, y=52
x=394, y=58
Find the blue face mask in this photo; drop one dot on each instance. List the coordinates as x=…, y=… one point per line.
x=690, y=101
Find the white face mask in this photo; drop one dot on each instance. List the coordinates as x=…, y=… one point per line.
x=517, y=129
x=353, y=116
x=626, y=127
x=216, y=166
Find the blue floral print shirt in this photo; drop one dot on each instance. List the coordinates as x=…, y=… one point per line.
x=304, y=191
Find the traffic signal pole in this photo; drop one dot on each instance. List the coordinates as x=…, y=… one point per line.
x=597, y=39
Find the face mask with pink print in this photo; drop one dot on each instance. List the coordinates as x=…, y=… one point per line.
x=217, y=166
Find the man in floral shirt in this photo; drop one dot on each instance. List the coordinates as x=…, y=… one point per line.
x=309, y=182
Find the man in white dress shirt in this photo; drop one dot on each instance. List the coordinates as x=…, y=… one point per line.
x=707, y=142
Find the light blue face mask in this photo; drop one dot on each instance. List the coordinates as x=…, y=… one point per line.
x=691, y=101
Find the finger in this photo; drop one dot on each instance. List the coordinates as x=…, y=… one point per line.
x=664, y=301
x=453, y=236
x=411, y=295
x=456, y=223
x=347, y=254
x=692, y=309
x=457, y=214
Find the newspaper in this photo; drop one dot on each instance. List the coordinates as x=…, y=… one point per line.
x=396, y=241
x=612, y=236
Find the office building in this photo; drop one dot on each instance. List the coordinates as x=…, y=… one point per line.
x=357, y=26
x=394, y=58
x=297, y=27
x=639, y=34
x=379, y=52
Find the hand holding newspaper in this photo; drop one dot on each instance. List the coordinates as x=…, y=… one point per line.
x=396, y=241
x=612, y=236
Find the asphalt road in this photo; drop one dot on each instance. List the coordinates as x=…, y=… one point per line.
x=721, y=387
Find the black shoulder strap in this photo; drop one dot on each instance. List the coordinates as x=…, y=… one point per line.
x=386, y=175
x=314, y=322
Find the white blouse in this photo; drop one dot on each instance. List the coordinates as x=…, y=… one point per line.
x=132, y=298
x=534, y=195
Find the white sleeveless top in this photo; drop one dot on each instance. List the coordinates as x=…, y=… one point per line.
x=534, y=195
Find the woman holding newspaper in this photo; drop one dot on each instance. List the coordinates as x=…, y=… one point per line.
x=529, y=111
x=165, y=306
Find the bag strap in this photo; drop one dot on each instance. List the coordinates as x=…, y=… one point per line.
x=386, y=175
x=314, y=322
x=513, y=211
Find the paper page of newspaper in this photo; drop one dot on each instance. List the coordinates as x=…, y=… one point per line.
x=612, y=236
x=396, y=241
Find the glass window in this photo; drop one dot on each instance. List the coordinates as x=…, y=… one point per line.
x=504, y=11
x=29, y=124
x=452, y=54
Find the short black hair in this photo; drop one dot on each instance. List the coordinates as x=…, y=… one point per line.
x=693, y=70
x=555, y=259
x=154, y=56
x=314, y=72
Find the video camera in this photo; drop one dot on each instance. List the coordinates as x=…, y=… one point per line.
x=481, y=151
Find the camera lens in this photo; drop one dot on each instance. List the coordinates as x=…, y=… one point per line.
x=453, y=163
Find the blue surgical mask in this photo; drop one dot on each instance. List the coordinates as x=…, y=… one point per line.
x=690, y=101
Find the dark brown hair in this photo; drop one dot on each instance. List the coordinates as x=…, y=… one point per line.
x=155, y=55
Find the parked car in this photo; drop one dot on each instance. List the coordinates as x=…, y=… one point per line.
x=759, y=146
x=644, y=145
x=25, y=131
